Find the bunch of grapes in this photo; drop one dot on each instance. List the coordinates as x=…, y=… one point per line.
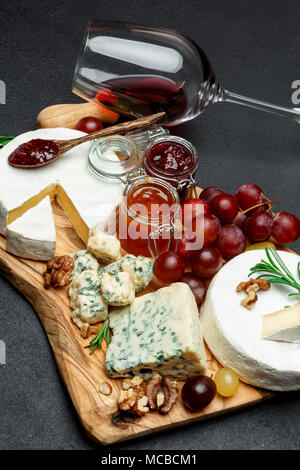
x=226, y=221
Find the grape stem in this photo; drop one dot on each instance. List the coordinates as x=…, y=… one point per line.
x=266, y=201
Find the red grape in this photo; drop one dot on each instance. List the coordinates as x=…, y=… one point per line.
x=286, y=227
x=206, y=262
x=225, y=207
x=198, y=392
x=196, y=285
x=210, y=192
x=231, y=241
x=89, y=124
x=212, y=228
x=191, y=209
x=248, y=195
x=169, y=267
x=184, y=241
x=240, y=221
x=258, y=226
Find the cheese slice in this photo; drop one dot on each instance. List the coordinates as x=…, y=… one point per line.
x=33, y=234
x=233, y=333
x=159, y=332
x=283, y=325
x=86, y=199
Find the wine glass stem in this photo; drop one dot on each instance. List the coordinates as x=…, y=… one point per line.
x=290, y=113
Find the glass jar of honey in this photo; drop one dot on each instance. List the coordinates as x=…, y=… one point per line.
x=174, y=160
x=146, y=216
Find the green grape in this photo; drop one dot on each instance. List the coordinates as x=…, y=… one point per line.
x=227, y=382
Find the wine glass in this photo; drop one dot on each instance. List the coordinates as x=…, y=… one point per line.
x=138, y=70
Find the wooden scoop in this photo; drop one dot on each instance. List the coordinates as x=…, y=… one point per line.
x=123, y=128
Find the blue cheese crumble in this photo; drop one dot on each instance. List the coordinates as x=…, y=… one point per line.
x=158, y=333
x=117, y=289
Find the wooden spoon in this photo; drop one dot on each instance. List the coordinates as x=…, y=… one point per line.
x=123, y=128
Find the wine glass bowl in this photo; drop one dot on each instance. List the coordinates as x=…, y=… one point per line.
x=138, y=70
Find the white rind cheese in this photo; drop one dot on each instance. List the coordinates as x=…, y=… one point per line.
x=233, y=333
x=86, y=199
x=33, y=234
x=117, y=289
x=159, y=332
x=283, y=325
x=103, y=246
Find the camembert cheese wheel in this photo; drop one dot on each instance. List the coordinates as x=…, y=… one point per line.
x=233, y=333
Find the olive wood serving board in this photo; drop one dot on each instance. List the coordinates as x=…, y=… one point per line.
x=83, y=373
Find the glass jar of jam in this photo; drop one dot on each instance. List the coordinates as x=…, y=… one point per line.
x=146, y=216
x=172, y=159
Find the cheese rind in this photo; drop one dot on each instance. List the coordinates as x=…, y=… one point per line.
x=233, y=334
x=283, y=325
x=159, y=332
x=33, y=234
x=117, y=289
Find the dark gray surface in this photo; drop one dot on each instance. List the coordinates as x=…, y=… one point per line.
x=255, y=48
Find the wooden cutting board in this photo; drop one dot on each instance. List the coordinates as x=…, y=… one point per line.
x=83, y=373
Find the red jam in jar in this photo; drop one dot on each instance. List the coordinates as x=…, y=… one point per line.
x=34, y=152
x=147, y=205
x=173, y=159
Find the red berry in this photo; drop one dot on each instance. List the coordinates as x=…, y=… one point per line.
x=192, y=209
x=210, y=192
x=240, y=221
x=89, y=124
x=196, y=285
x=185, y=244
x=225, y=207
x=286, y=227
x=206, y=262
x=248, y=195
x=198, y=392
x=169, y=267
x=231, y=241
x=258, y=226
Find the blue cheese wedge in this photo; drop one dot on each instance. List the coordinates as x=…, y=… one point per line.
x=140, y=270
x=103, y=246
x=158, y=333
x=83, y=261
x=86, y=298
x=117, y=289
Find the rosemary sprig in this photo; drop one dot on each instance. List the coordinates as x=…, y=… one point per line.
x=5, y=140
x=103, y=333
x=275, y=271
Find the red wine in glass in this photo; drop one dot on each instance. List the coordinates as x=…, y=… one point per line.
x=140, y=95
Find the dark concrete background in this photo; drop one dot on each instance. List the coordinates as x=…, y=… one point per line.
x=255, y=49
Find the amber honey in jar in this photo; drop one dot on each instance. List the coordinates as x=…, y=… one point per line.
x=146, y=216
x=172, y=159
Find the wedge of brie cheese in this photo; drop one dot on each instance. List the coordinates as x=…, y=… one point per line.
x=33, y=234
x=233, y=333
x=283, y=325
x=87, y=200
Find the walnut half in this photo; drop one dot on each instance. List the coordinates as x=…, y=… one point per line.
x=58, y=272
x=162, y=393
x=251, y=288
x=132, y=398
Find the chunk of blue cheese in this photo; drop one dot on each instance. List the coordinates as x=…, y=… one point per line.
x=83, y=261
x=86, y=299
x=117, y=289
x=158, y=333
x=103, y=246
x=139, y=268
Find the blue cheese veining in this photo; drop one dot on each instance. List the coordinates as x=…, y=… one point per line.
x=158, y=332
